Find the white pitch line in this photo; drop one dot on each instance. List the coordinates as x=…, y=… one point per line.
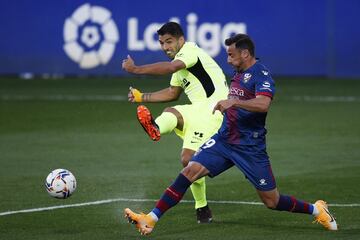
x=60, y=97
x=326, y=98
x=66, y=97
x=146, y=200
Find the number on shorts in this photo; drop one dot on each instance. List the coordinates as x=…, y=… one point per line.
x=209, y=144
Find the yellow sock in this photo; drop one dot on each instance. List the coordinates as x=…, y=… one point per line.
x=166, y=122
x=198, y=189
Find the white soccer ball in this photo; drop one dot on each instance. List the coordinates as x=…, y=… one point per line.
x=60, y=183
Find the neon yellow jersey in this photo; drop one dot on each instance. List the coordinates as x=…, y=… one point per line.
x=202, y=79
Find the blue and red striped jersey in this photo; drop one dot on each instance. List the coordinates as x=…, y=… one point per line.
x=239, y=125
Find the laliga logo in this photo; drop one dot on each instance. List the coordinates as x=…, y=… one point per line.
x=90, y=36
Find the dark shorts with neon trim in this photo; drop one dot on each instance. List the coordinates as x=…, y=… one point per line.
x=218, y=156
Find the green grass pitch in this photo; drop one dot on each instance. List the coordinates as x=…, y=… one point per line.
x=88, y=127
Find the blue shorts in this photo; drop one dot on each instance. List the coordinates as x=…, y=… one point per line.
x=218, y=156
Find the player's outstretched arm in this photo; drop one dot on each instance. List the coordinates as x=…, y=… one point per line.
x=169, y=94
x=259, y=104
x=159, y=68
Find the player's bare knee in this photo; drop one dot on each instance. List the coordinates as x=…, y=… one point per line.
x=189, y=173
x=169, y=109
x=180, y=120
x=269, y=198
x=173, y=111
x=185, y=159
x=270, y=202
x=194, y=171
x=186, y=155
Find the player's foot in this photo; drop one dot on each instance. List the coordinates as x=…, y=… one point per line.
x=204, y=215
x=324, y=217
x=144, y=223
x=147, y=122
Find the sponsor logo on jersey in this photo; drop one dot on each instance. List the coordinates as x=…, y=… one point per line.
x=236, y=92
x=265, y=72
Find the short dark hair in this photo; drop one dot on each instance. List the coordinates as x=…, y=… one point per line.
x=242, y=41
x=172, y=28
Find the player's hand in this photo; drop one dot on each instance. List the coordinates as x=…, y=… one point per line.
x=128, y=64
x=134, y=95
x=224, y=105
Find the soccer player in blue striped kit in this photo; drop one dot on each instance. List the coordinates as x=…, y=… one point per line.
x=240, y=142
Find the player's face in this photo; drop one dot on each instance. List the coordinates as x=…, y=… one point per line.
x=237, y=57
x=170, y=44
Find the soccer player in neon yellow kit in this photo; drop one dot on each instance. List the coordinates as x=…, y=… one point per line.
x=202, y=80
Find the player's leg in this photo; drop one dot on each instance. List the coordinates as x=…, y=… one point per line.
x=163, y=124
x=173, y=118
x=170, y=119
x=199, y=126
x=172, y=196
x=254, y=163
x=276, y=201
x=187, y=122
x=258, y=171
x=210, y=161
x=280, y=202
x=198, y=190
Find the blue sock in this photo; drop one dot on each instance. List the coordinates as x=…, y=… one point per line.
x=291, y=204
x=172, y=195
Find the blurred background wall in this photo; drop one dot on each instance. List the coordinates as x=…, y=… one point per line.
x=67, y=37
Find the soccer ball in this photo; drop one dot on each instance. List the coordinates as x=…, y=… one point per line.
x=60, y=183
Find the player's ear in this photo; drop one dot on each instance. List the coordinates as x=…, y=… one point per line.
x=181, y=40
x=245, y=53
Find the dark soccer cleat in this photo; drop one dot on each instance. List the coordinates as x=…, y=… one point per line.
x=147, y=122
x=204, y=215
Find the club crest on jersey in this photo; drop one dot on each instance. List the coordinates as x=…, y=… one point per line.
x=247, y=77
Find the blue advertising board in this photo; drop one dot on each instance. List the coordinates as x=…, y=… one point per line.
x=293, y=38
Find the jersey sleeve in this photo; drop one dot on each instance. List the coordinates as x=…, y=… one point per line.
x=187, y=55
x=175, y=80
x=265, y=86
